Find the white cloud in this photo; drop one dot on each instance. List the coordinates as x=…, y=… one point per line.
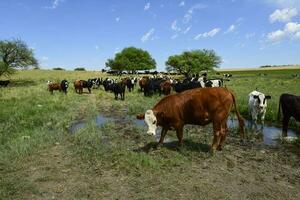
x=147, y=6
x=174, y=26
x=284, y=15
x=290, y=31
x=182, y=3
x=276, y=36
x=284, y=3
x=117, y=50
x=117, y=19
x=292, y=27
x=250, y=35
x=44, y=58
x=187, y=30
x=211, y=33
x=230, y=29
x=147, y=35
x=189, y=14
x=55, y=4
x=174, y=36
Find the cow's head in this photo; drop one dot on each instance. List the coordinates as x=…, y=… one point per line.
x=151, y=121
x=261, y=100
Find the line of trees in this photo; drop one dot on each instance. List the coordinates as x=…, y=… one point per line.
x=16, y=54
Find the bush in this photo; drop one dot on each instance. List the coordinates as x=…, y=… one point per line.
x=58, y=68
x=79, y=69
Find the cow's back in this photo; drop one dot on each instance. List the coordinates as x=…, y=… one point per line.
x=197, y=106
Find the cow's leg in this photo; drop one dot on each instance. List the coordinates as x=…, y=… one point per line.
x=224, y=131
x=89, y=90
x=179, y=133
x=162, y=136
x=217, y=135
x=285, y=123
x=263, y=119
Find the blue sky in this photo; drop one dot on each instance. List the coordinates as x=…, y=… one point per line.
x=85, y=33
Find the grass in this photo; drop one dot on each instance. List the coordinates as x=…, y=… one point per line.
x=37, y=149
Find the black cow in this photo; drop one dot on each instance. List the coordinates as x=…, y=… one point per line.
x=186, y=85
x=118, y=88
x=64, y=84
x=290, y=107
x=4, y=83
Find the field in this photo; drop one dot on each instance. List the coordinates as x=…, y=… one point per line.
x=42, y=157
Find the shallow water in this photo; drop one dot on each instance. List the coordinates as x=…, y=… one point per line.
x=271, y=134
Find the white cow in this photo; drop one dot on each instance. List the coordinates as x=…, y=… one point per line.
x=257, y=105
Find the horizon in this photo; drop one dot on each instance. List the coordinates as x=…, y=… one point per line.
x=70, y=34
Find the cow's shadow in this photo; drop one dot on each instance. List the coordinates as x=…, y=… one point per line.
x=188, y=145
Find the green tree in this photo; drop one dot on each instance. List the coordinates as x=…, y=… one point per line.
x=15, y=54
x=193, y=61
x=131, y=59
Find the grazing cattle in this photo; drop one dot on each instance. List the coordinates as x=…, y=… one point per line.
x=80, y=84
x=257, y=105
x=118, y=88
x=186, y=85
x=129, y=83
x=227, y=75
x=214, y=83
x=142, y=83
x=196, y=106
x=62, y=86
x=4, y=83
x=290, y=107
x=165, y=87
x=96, y=82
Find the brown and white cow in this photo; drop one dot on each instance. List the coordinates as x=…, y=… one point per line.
x=199, y=106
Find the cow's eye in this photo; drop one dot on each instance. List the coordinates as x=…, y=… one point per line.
x=154, y=122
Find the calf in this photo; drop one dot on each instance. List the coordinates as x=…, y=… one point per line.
x=257, y=105
x=165, y=87
x=80, y=84
x=62, y=86
x=196, y=106
x=290, y=106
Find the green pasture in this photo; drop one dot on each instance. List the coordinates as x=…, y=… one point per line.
x=34, y=129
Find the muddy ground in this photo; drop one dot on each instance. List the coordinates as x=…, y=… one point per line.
x=127, y=166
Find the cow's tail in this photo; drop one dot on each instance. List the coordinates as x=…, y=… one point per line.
x=279, y=110
x=240, y=118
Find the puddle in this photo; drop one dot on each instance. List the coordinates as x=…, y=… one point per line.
x=76, y=126
x=100, y=120
x=271, y=134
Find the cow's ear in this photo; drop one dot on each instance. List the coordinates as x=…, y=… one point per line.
x=140, y=116
x=255, y=96
x=268, y=97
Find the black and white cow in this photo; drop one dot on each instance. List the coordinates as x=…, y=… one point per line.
x=290, y=106
x=257, y=105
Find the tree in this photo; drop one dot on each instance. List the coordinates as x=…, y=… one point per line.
x=193, y=61
x=131, y=59
x=13, y=55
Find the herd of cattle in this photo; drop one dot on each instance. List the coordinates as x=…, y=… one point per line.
x=197, y=100
x=190, y=105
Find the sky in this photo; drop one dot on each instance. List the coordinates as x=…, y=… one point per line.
x=85, y=33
